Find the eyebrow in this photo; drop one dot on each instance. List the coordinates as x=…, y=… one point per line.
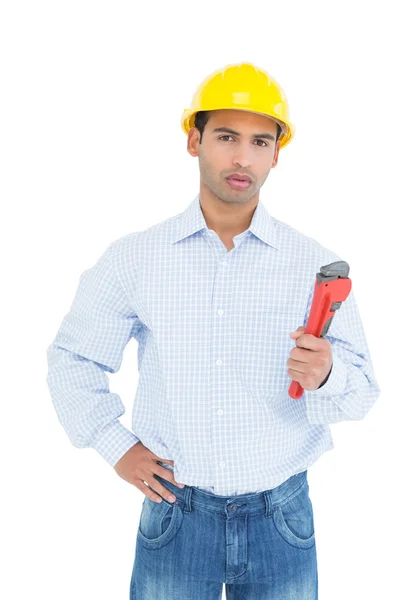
x=267, y=136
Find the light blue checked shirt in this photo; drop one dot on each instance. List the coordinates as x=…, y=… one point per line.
x=213, y=331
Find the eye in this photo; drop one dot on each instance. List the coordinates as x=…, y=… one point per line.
x=262, y=142
x=258, y=140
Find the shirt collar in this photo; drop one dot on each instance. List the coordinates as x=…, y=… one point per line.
x=192, y=220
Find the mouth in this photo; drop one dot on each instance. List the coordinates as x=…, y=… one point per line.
x=238, y=184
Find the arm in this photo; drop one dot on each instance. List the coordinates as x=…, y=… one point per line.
x=351, y=389
x=89, y=343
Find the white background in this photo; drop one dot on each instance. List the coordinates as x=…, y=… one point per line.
x=92, y=149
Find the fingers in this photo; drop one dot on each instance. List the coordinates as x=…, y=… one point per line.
x=180, y=485
x=147, y=491
x=168, y=474
x=153, y=489
x=162, y=492
x=165, y=473
x=299, y=331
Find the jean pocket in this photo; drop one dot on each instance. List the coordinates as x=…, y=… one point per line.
x=262, y=349
x=159, y=522
x=294, y=519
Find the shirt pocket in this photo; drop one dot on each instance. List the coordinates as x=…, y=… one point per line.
x=262, y=349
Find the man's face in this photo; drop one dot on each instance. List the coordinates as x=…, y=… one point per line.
x=222, y=153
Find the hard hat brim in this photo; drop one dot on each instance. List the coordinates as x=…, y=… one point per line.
x=288, y=129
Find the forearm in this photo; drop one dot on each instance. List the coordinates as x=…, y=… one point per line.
x=86, y=408
x=348, y=394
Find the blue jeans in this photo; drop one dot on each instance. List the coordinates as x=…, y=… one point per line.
x=261, y=545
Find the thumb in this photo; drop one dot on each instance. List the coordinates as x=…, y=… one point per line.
x=299, y=331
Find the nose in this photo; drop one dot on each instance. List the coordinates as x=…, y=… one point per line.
x=242, y=161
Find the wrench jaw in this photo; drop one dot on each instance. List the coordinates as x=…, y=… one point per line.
x=339, y=268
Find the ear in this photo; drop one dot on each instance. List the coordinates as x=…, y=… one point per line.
x=277, y=148
x=193, y=141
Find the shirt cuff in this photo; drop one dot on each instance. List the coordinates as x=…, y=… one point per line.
x=336, y=382
x=114, y=441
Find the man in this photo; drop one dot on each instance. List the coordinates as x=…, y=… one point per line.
x=216, y=296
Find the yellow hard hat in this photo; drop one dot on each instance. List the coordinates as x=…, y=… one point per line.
x=241, y=87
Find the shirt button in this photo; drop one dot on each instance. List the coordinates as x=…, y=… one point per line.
x=220, y=311
x=222, y=463
x=219, y=362
x=220, y=411
x=224, y=262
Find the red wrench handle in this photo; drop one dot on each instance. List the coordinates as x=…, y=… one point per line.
x=332, y=286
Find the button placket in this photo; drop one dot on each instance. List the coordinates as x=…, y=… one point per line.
x=218, y=341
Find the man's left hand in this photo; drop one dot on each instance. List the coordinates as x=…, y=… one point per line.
x=310, y=363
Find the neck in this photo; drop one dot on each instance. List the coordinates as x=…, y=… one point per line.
x=226, y=217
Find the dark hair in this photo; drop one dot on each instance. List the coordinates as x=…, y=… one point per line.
x=202, y=117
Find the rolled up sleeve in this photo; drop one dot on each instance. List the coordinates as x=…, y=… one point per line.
x=351, y=388
x=89, y=343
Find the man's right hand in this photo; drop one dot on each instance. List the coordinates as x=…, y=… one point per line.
x=138, y=466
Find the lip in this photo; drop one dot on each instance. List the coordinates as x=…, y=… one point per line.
x=238, y=185
x=239, y=176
